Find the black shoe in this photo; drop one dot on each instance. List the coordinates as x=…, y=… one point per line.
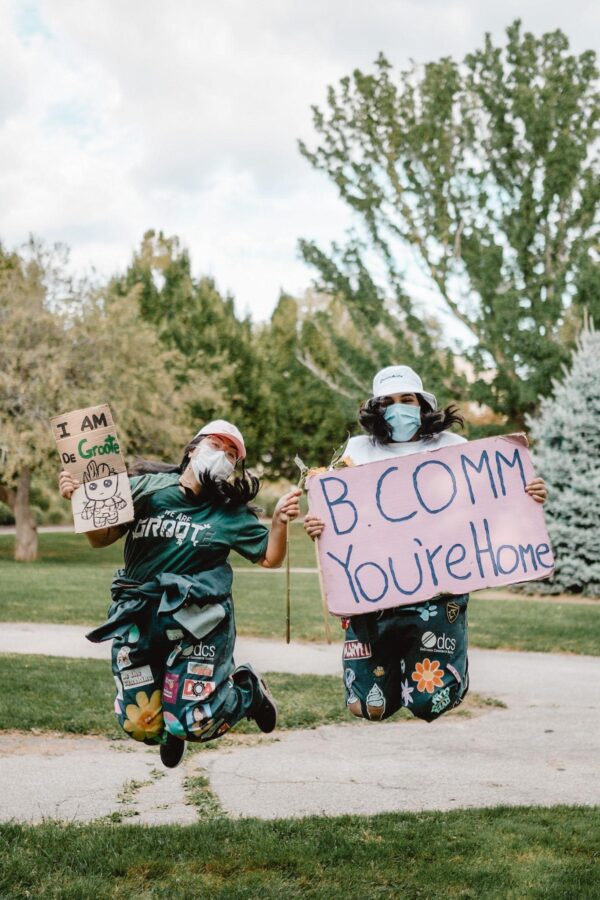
x=172, y=752
x=264, y=711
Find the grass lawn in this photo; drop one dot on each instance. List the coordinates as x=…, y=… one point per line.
x=70, y=584
x=77, y=698
x=496, y=853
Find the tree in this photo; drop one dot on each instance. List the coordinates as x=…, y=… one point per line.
x=219, y=366
x=487, y=173
x=62, y=347
x=32, y=383
x=567, y=454
x=348, y=334
x=303, y=416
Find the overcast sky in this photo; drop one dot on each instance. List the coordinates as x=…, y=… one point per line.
x=116, y=117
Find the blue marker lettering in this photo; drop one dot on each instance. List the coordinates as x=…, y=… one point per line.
x=380, y=481
x=338, y=501
x=434, y=462
x=361, y=588
x=483, y=460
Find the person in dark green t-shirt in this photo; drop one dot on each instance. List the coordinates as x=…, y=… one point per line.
x=172, y=620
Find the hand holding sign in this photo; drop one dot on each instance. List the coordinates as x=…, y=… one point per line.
x=402, y=531
x=89, y=449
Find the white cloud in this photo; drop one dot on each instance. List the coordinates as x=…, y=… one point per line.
x=118, y=117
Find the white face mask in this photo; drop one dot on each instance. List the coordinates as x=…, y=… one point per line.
x=209, y=459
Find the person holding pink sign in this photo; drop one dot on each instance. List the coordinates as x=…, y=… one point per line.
x=406, y=656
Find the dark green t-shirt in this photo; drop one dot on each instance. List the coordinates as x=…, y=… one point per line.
x=172, y=533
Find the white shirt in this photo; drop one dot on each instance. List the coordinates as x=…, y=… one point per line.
x=363, y=449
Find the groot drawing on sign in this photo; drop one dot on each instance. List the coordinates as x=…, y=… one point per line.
x=103, y=501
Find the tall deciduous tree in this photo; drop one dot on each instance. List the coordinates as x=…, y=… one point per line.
x=567, y=454
x=488, y=173
x=63, y=347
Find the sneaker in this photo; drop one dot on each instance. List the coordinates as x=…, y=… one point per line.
x=171, y=752
x=265, y=709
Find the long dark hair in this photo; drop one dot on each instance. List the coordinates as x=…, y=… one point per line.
x=433, y=421
x=240, y=492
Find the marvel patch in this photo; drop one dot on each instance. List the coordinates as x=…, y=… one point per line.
x=356, y=650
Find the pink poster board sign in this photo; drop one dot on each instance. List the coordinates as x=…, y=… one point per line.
x=453, y=520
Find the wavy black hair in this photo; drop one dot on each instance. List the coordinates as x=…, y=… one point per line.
x=240, y=492
x=433, y=421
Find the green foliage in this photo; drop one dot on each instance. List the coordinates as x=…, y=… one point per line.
x=496, y=854
x=486, y=171
x=305, y=416
x=218, y=368
x=567, y=455
x=70, y=584
x=65, y=346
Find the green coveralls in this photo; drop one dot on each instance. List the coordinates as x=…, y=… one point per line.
x=172, y=620
x=411, y=656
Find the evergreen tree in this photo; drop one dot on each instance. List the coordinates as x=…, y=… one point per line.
x=567, y=454
x=220, y=369
x=305, y=416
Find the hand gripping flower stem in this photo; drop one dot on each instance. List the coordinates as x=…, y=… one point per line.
x=304, y=472
x=322, y=589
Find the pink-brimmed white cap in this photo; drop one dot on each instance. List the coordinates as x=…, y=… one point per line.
x=221, y=428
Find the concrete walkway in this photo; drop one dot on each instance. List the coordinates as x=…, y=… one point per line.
x=543, y=749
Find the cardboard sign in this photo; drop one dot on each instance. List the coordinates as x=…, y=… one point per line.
x=81, y=420
x=448, y=521
x=88, y=446
x=77, y=451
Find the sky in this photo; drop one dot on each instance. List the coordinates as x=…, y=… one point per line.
x=184, y=117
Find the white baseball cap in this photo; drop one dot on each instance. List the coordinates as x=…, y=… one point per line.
x=221, y=428
x=400, y=380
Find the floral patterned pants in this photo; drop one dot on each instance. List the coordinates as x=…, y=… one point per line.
x=411, y=656
x=167, y=679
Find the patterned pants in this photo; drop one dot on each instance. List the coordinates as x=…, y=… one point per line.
x=168, y=679
x=411, y=656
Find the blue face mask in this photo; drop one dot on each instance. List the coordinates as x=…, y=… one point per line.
x=404, y=419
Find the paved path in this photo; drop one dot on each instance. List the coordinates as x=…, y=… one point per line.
x=543, y=749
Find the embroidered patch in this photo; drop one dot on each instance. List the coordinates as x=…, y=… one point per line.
x=170, y=688
x=440, y=700
x=133, y=678
x=356, y=650
x=123, y=657
x=174, y=634
x=452, y=611
x=204, y=670
x=407, y=692
x=454, y=671
x=428, y=675
x=349, y=677
x=439, y=643
x=375, y=702
x=197, y=690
